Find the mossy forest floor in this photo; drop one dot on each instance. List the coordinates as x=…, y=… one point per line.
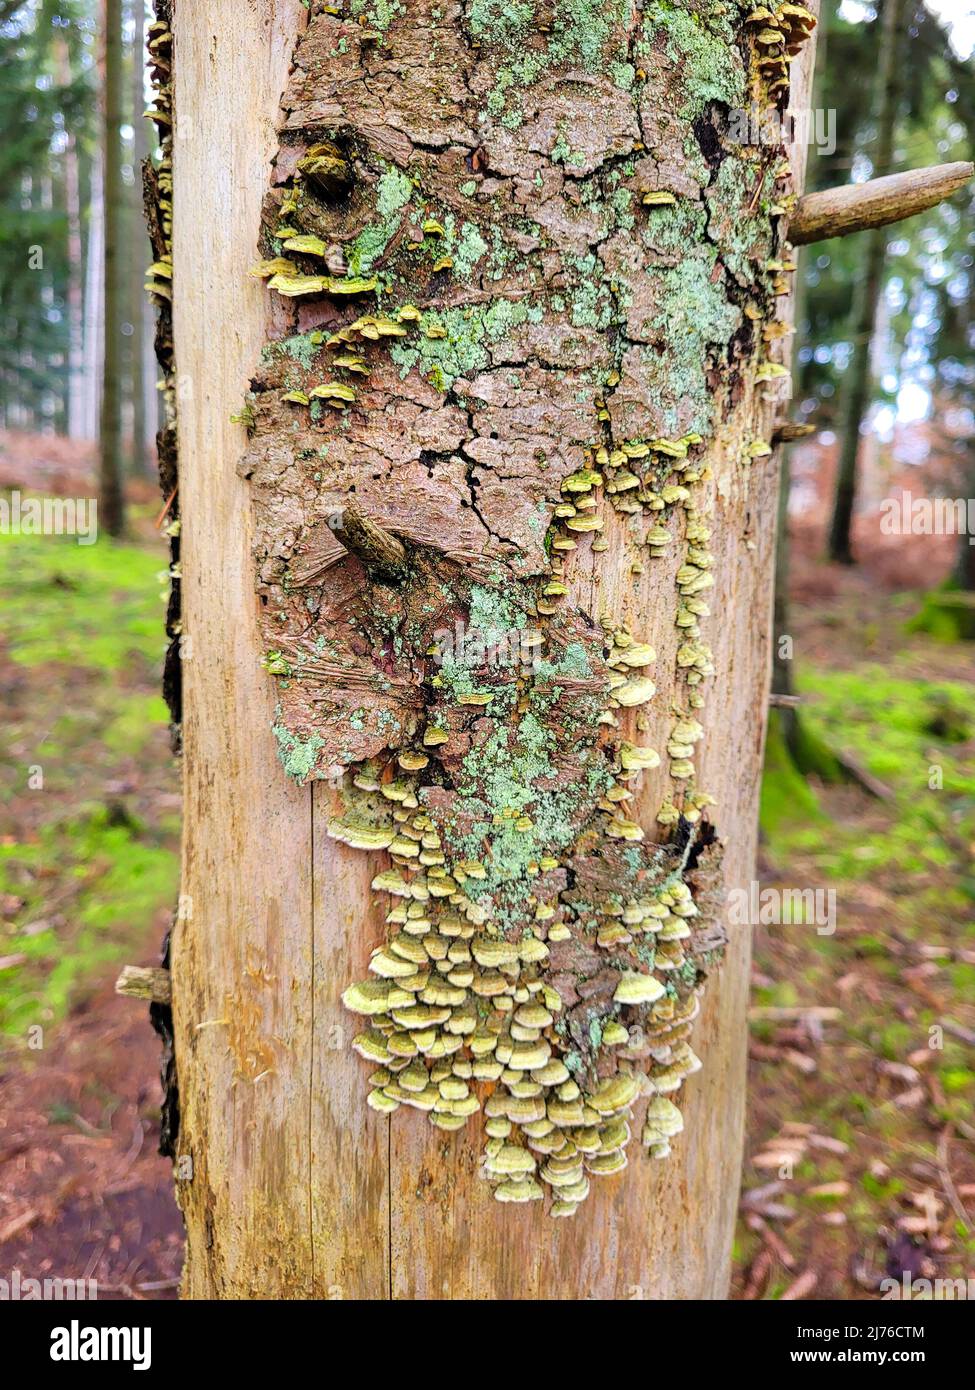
x=860, y=1160
x=89, y=834
x=859, y=1157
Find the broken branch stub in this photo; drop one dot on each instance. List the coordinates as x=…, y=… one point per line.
x=381, y=553
x=859, y=206
x=144, y=982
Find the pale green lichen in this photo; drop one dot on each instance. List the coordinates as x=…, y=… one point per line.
x=393, y=193
x=694, y=316
x=580, y=34
x=298, y=756
x=379, y=13
x=710, y=65
x=469, y=334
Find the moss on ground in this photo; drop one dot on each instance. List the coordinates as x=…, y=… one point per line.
x=88, y=853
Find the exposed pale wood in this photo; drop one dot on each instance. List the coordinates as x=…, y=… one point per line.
x=855, y=207
x=349, y=1142
x=242, y=961
x=144, y=982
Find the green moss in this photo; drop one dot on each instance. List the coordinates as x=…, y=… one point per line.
x=947, y=613
x=93, y=607
x=120, y=875
x=786, y=795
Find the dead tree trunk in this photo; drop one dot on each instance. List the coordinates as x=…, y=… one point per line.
x=498, y=514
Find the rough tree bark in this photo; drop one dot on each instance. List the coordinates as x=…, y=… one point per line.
x=522, y=289
x=855, y=398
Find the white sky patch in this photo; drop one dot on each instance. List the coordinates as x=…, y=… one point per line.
x=913, y=403
x=958, y=16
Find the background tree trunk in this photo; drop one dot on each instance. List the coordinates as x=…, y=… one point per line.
x=75, y=306
x=111, y=505
x=856, y=387
x=290, y=1186
x=138, y=358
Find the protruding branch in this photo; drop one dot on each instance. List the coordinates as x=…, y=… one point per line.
x=857, y=206
x=787, y=432
x=381, y=553
x=144, y=982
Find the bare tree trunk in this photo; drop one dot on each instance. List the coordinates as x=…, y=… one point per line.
x=138, y=248
x=525, y=390
x=94, y=326
x=110, y=500
x=964, y=571
x=72, y=203
x=782, y=645
x=855, y=399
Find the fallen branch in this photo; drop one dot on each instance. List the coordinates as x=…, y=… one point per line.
x=801, y=1287
x=781, y=1014
x=855, y=207
x=863, y=778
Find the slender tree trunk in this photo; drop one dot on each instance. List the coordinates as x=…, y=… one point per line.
x=138, y=246
x=110, y=502
x=855, y=399
x=75, y=296
x=964, y=571
x=94, y=294
x=782, y=644
x=531, y=336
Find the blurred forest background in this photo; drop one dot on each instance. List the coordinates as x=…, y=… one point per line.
x=860, y=1157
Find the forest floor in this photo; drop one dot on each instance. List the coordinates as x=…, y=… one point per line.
x=860, y=1161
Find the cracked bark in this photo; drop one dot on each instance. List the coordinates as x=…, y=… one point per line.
x=622, y=321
